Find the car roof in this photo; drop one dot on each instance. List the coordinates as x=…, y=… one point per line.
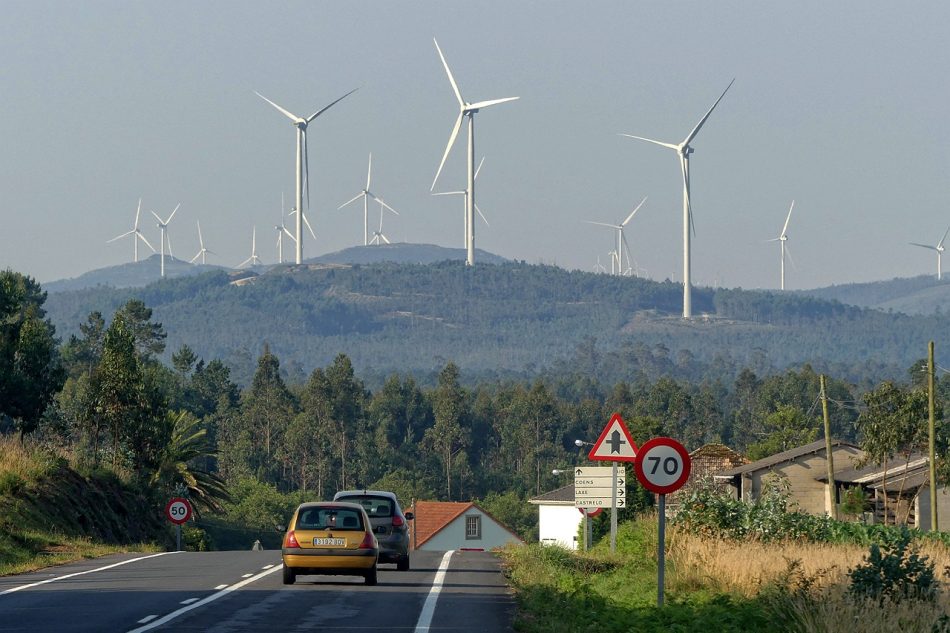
x=330, y=504
x=365, y=493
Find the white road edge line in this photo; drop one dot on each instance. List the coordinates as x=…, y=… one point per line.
x=428, y=608
x=147, y=618
x=174, y=614
x=80, y=573
x=188, y=601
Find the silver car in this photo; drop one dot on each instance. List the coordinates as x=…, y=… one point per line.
x=390, y=524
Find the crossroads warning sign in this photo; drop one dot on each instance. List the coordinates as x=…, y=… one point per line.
x=614, y=444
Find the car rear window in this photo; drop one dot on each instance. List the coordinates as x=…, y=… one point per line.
x=329, y=519
x=374, y=506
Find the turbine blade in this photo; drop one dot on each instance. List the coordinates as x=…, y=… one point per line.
x=448, y=193
x=790, y=259
x=168, y=240
x=448, y=148
x=774, y=239
x=192, y=260
x=327, y=107
x=482, y=216
x=288, y=233
x=385, y=239
x=200, y=240
x=650, y=140
x=290, y=115
x=173, y=213
x=613, y=226
x=241, y=265
x=485, y=104
x=369, y=170
x=458, y=94
x=626, y=251
x=789, y=217
x=940, y=244
x=353, y=199
x=156, y=217
x=382, y=204
x=126, y=234
x=306, y=164
x=309, y=228
x=928, y=246
x=699, y=125
x=142, y=237
x=632, y=213
x=137, y=212
x=479, y=168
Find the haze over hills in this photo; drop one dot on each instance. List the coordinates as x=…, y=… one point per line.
x=919, y=295
x=130, y=274
x=509, y=319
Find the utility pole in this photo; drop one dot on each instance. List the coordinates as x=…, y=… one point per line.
x=931, y=429
x=830, y=490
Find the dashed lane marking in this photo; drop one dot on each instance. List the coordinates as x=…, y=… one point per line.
x=189, y=600
x=266, y=566
x=247, y=575
x=220, y=586
x=147, y=618
x=220, y=594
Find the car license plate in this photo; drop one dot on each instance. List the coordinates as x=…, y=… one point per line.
x=329, y=541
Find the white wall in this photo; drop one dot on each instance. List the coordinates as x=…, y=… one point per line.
x=558, y=525
x=452, y=536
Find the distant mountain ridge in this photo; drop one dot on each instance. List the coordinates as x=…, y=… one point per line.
x=921, y=295
x=141, y=273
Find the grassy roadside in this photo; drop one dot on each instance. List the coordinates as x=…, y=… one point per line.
x=713, y=586
x=51, y=514
x=565, y=591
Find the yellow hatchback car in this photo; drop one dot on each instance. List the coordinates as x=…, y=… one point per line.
x=330, y=537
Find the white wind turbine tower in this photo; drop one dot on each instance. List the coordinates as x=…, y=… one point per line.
x=303, y=165
x=163, y=227
x=281, y=231
x=378, y=237
x=939, y=248
x=253, y=260
x=465, y=202
x=683, y=150
x=782, y=238
x=136, y=235
x=366, y=194
x=621, y=238
x=202, y=251
x=469, y=110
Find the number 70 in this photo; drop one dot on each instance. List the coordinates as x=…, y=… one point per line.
x=671, y=465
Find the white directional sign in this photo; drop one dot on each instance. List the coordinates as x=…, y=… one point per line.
x=595, y=487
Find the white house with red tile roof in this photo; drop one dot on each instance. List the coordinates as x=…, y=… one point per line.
x=558, y=520
x=440, y=526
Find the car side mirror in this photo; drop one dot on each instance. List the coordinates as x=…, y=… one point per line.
x=409, y=516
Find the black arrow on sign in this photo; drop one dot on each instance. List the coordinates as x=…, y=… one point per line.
x=619, y=503
x=620, y=482
x=578, y=471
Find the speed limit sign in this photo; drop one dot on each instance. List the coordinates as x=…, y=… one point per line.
x=178, y=510
x=662, y=465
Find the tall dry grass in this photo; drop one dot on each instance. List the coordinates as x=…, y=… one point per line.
x=25, y=460
x=815, y=575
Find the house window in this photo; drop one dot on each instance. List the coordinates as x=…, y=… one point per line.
x=473, y=527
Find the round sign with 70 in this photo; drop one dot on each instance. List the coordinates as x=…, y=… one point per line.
x=662, y=465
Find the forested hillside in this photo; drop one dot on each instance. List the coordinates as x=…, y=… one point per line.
x=511, y=319
x=916, y=295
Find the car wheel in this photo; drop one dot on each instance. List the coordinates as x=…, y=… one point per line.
x=402, y=564
x=289, y=575
x=371, y=576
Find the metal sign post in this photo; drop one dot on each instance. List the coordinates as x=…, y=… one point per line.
x=662, y=466
x=178, y=511
x=613, y=512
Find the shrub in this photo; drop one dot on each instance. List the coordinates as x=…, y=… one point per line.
x=894, y=571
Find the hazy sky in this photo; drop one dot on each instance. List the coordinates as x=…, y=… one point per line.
x=841, y=106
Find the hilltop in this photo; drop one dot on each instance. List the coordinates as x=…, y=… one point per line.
x=915, y=295
x=510, y=319
x=130, y=275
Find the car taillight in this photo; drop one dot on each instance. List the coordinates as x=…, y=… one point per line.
x=291, y=540
x=397, y=521
x=368, y=541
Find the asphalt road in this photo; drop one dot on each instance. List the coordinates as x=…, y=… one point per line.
x=242, y=591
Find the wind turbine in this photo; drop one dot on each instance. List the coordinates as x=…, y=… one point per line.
x=303, y=165
x=254, y=260
x=163, y=226
x=782, y=238
x=598, y=267
x=136, y=235
x=683, y=150
x=621, y=238
x=469, y=110
x=939, y=248
x=281, y=231
x=202, y=251
x=465, y=202
x=366, y=194
x=378, y=235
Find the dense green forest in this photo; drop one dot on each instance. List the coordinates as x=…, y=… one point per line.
x=509, y=321
x=103, y=396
